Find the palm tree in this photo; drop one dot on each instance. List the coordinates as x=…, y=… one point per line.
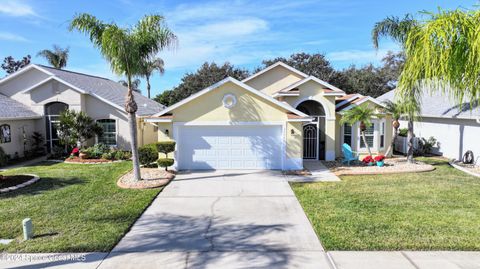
x=57, y=57
x=135, y=84
x=363, y=114
x=396, y=109
x=149, y=67
x=126, y=49
x=398, y=30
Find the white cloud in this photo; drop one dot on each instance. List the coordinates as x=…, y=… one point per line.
x=12, y=37
x=356, y=55
x=16, y=8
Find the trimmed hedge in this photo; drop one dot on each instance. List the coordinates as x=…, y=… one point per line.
x=147, y=154
x=165, y=147
x=165, y=162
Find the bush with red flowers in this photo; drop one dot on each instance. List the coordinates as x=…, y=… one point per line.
x=379, y=158
x=75, y=152
x=368, y=159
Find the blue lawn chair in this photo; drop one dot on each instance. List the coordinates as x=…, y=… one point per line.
x=348, y=154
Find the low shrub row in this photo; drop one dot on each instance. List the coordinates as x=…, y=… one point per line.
x=149, y=154
x=101, y=151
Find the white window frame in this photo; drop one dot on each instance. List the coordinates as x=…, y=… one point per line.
x=116, y=131
x=376, y=142
x=382, y=126
x=352, y=128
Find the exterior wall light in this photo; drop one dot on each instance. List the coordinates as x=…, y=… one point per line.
x=292, y=131
x=167, y=132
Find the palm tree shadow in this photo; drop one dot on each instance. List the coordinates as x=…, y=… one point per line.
x=211, y=238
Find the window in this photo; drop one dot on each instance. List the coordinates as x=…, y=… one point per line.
x=369, y=136
x=5, y=134
x=347, y=134
x=109, y=136
x=382, y=134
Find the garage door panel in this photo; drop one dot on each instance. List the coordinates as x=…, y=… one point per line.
x=229, y=147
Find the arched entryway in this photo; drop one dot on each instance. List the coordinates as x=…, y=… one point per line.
x=313, y=132
x=52, y=113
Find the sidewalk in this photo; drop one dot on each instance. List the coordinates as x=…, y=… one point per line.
x=318, y=170
x=334, y=260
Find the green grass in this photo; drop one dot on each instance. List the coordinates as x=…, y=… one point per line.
x=438, y=210
x=73, y=207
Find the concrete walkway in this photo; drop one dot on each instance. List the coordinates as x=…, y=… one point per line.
x=319, y=173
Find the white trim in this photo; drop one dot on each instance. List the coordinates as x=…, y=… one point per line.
x=21, y=118
x=311, y=98
x=37, y=85
x=238, y=83
x=317, y=80
x=23, y=70
x=285, y=94
x=300, y=120
x=272, y=67
x=157, y=120
x=348, y=100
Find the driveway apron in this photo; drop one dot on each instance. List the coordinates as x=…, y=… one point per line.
x=222, y=219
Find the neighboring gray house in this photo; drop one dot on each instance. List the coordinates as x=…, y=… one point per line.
x=32, y=98
x=456, y=128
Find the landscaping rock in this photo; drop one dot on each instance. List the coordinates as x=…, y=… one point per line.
x=392, y=166
x=151, y=178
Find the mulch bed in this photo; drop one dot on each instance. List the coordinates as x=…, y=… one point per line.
x=88, y=161
x=303, y=172
x=151, y=178
x=14, y=182
x=392, y=166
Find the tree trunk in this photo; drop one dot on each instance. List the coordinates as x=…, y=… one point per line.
x=131, y=107
x=410, y=142
x=365, y=142
x=147, y=78
x=394, y=138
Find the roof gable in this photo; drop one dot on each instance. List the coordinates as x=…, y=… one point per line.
x=242, y=85
x=104, y=89
x=328, y=88
x=273, y=66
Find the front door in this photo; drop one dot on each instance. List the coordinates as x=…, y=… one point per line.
x=310, y=146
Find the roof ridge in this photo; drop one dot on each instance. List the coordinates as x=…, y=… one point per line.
x=75, y=72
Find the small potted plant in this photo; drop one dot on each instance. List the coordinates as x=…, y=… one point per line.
x=368, y=160
x=380, y=160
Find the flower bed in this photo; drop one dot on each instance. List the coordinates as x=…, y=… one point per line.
x=15, y=182
x=390, y=166
x=88, y=161
x=151, y=178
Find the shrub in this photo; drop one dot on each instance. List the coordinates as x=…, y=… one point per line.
x=165, y=162
x=165, y=147
x=96, y=151
x=403, y=132
x=107, y=156
x=3, y=157
x=121, y=155
x=147, y=154
x=75, y=152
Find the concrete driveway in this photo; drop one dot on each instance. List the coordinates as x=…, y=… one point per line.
x=222, y=219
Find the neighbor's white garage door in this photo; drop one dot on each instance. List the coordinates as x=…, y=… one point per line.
x=229, y=147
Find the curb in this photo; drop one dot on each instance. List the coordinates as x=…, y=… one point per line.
x=22, y=185
x=463, y=169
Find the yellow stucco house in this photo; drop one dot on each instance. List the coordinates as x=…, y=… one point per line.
x=274, y=119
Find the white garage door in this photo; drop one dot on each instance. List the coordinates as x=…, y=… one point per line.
x=229, y=147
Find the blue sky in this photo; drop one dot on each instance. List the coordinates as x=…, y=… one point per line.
x=241, y=32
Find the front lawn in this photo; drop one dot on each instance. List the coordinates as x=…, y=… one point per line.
x=73, y=208
x=438, y=210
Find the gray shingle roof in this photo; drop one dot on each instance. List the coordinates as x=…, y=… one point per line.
x=107, y=89
x=440, y=105
x=15, y=109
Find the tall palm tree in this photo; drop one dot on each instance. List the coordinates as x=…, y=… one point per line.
x=398, y=30
x=57, y=57
x=135, y=84
x=396, y=109
x=126, y=49
x=363, y=114
x=149, y=67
